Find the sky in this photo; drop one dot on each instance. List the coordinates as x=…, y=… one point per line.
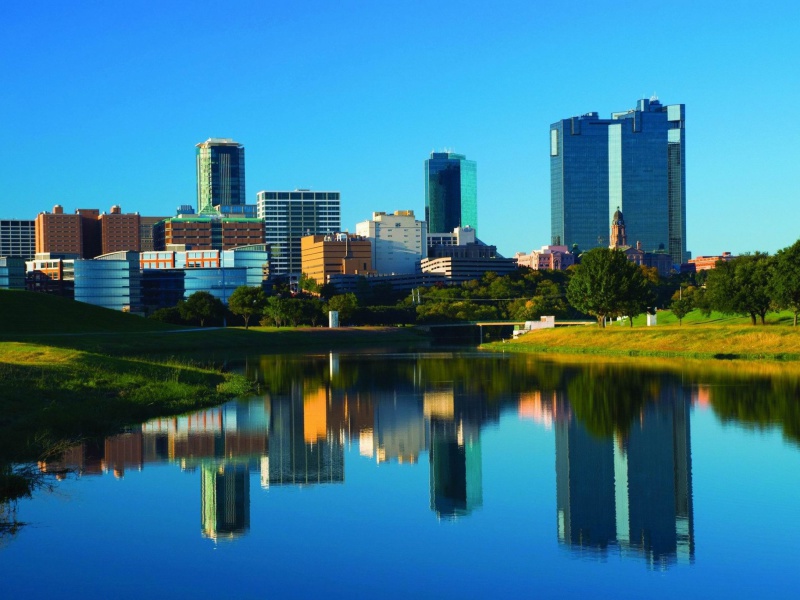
x=102, y=103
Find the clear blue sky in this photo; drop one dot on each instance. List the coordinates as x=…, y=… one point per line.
x=102, y=102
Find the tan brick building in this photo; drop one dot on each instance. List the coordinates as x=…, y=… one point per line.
x=119, y=232
x=334, y=253
x=87, y=233
x=59, y=233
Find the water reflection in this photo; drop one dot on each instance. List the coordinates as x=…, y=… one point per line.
x=623, y=456
x=631, y=491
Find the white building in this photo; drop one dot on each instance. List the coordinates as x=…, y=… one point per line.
x=461, y=236
x=399, y=241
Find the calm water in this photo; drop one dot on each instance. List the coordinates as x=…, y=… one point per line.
x=432, y=475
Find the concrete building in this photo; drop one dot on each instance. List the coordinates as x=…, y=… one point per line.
x=547, y=258
x=633, y=162
x=460, y=236
x=451, y=192
x=51, y=274
x=399, y=241
x=324, y=255
x=457, y=269
x=220, y=173
x=288, y=217
x=18, y=238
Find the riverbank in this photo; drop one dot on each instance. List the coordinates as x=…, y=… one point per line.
x=747, y=342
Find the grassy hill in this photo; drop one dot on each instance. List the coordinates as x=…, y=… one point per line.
x=34, y=313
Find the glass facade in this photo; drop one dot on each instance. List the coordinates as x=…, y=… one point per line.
x=255, y=260
x=12, y=273
x=451, y=192
x=111, y=281
x=289, y=216
x=220, y=173
x=219, y=282
x=633, y=162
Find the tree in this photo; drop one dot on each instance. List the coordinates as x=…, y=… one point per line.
x=606, y=283
x=247, y=301
x=201, y=306
x=345, y=304
x=741, y=286
x=307, y=284
x=681, y=307
x=784, y=280
x=275, y=310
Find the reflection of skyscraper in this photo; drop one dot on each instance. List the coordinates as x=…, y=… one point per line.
x=635, y=492
x=297, y=455
x=225, y=495
x=400, y=430
x=456, y=475
x=584, y=487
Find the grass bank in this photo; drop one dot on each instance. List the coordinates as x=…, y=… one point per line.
x=724, y=339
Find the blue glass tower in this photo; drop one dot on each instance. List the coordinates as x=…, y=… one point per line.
x=451, y=192
x=633, y=162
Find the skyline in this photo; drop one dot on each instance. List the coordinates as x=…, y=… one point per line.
x=104, y=105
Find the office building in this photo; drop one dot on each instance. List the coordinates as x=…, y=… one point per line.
x=633, y=162
x=398, y=241
x=87, y=233
x=451, y=192
x=146, y=225
x=18, y=238
x=12, y=273
x=324, y=255
x=59, y=233
x=51, y=274
x=288, y=217
x=207, y=232
x=547, y=258
x=119, y=232
x=220, y=173
x=111, y=281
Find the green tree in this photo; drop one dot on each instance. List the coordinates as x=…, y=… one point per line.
x=307, y=284
x=606, y=284
x=784, y=280
x=201, y=306
x=275, y=311
x=741, y=286
x=345, y=304
x=681, y=307
x=247, y=301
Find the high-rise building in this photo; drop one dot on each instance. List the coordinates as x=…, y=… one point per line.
x=119, y=232
x=451, y=192
x=633, y=162
x=17, y=238
x=59, y=233
x=220, y=173
x=206, y=232
x=398, y=241
x=288, y=217
x=146, y=225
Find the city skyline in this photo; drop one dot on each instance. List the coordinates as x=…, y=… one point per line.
x=323, y=111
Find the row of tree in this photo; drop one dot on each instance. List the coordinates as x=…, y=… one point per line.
x=749, y=285
x=605, y=284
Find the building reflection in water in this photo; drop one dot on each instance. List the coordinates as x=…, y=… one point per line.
x=632, y=491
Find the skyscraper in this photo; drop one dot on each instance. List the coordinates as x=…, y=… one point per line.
x=220, y=173
x=633, y=162
x=451, y=192
x=288, y=217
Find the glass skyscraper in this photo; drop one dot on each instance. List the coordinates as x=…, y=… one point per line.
x=220, y=173
x=633, y=162
x=451, y=192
